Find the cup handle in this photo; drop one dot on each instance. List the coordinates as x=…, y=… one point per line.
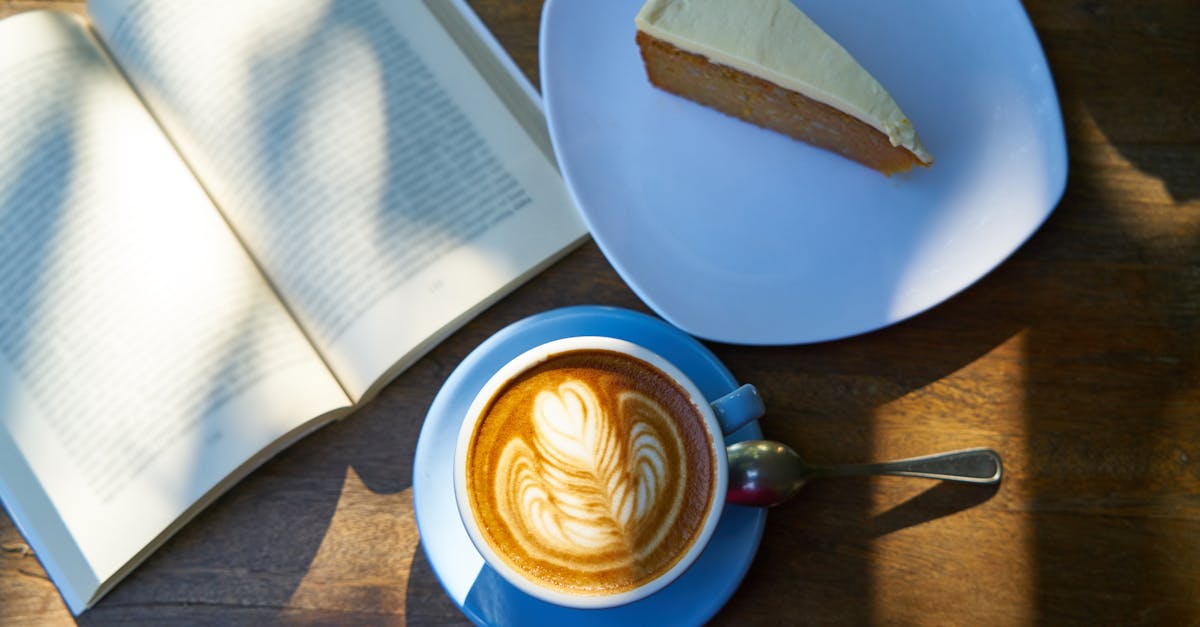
x=737, y=408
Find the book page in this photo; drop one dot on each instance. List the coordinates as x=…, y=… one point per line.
x=384, y=188
x=143, y=356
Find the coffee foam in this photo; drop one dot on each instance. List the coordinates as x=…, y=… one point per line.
x=591, y=473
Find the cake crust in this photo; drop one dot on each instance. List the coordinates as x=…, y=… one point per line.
x=770, y=106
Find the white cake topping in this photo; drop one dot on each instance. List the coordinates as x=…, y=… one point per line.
x=774, y=40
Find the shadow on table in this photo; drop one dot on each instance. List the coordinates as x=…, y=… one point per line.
x=1113, y=319
x=1106, y=309
x=1111, y=359
x=943, y=499
x=822, y=400
x=1138, y=89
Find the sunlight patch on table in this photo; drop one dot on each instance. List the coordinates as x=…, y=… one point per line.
x=366, y=555
x=940, y=550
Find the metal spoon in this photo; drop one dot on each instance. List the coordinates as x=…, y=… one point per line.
x=764, y=473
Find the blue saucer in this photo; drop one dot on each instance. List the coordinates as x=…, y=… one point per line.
x=478, y=590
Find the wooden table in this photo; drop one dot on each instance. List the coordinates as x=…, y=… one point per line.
x=1078, y=359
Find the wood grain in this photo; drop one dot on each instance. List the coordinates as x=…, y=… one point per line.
x=1078, y=359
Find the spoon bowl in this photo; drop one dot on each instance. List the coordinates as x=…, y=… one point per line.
x=764, y=473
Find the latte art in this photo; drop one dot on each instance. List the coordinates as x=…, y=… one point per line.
x=587, y=488
x=591, y=473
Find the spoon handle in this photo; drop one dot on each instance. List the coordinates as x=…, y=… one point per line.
x=976, y=465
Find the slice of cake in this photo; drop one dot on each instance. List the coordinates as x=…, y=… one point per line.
x=766, y=62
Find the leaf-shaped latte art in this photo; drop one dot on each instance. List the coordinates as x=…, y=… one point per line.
x=592, y=484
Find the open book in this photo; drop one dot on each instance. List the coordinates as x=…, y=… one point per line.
x=224, y=223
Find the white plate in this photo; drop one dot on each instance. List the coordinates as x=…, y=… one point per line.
x=737, y=234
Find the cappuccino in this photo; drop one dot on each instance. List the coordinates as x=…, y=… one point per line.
x=591, y=473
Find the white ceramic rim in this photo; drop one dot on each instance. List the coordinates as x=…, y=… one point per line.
x=531, y=358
